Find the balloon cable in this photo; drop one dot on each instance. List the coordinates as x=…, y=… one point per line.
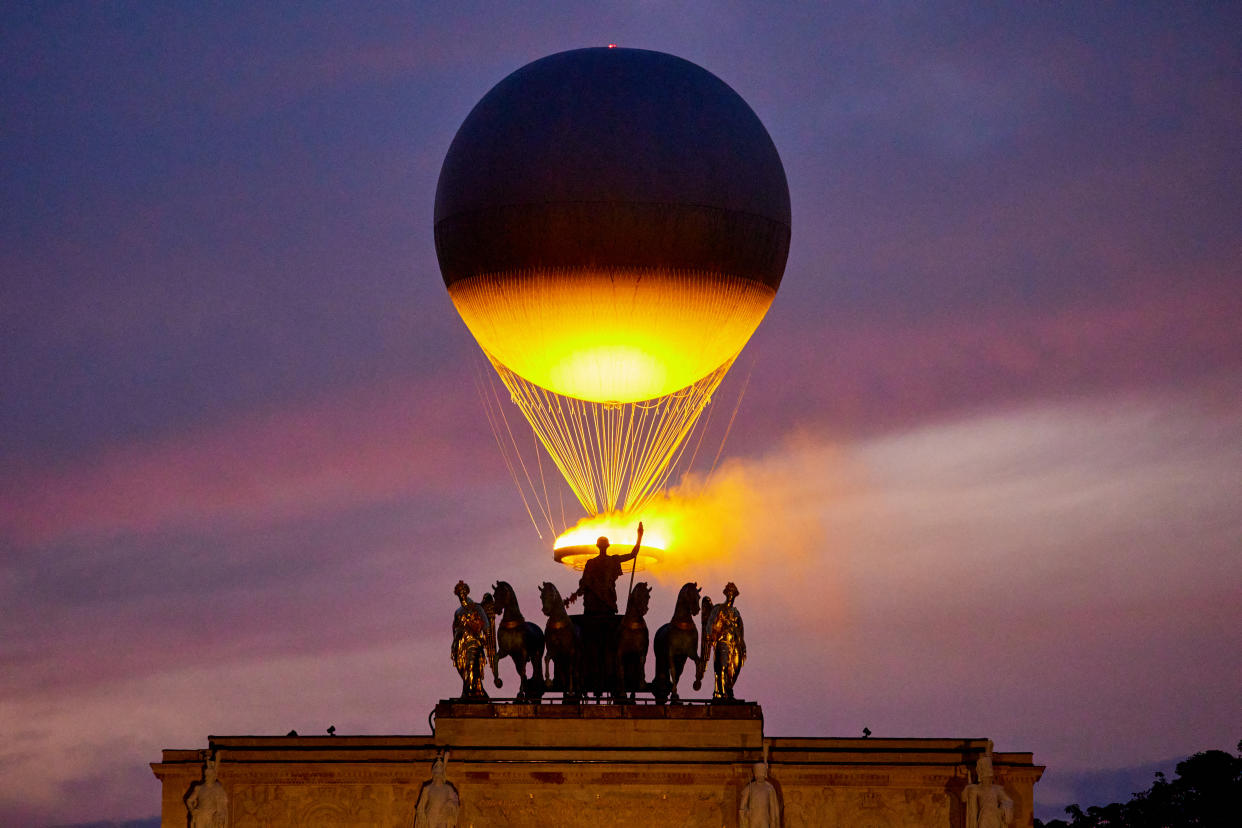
x=488, y=411
x=732, y=417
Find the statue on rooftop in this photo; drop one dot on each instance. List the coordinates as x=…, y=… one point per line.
x=474, y=644
x=598, y=585
x=519, y=640
x=724, y=633
x=675, y=643
x=600, y=622
x=633, y=642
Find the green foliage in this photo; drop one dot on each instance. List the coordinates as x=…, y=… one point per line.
x=1206, y=792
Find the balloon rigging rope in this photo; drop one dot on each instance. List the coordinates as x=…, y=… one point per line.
x=702, y=427
x=492, y=414
x=547, y=502
x=732, y=417
x=611, y=455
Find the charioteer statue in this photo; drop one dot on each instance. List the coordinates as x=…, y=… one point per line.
x=598, y=585
x=600, y=621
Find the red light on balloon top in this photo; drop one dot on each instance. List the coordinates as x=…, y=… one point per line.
x=612, y=45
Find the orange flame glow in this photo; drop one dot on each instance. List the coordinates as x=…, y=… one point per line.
x=748, y=517
x=576, y=545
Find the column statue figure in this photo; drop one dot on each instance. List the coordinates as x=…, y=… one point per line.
x=207, y=802
x=760, y=805
x=987, y=804
x=438, y=802
x=474, y=643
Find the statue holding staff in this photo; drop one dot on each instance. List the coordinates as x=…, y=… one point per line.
x=600, y=622
x=598, y=585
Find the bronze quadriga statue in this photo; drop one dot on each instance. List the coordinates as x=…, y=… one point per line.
x=675, y=642
x=598, y=653
x=633, y=643
x=519, y=640
x=563, y=642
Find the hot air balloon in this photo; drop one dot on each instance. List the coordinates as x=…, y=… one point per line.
x=612, y=224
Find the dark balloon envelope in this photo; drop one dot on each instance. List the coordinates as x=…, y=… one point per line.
x=612, y=223
x=612, y=158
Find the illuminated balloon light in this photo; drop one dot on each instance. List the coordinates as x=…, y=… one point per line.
x=577, y=545
x=615, y=336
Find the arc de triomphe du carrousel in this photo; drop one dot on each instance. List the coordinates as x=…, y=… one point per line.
x=612, y=225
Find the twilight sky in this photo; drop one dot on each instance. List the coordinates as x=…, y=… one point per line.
x=990, y=449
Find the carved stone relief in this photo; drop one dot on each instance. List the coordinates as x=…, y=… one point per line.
x=255, y=806
x=616, y=809
x=864, y=808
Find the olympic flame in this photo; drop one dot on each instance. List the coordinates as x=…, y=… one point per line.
x=748, y=518
x=576, y=545
x=684, y=529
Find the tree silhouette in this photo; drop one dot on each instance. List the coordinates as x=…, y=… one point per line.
x=1206, y=792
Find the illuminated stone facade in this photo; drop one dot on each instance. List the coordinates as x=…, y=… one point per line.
x=598, y=766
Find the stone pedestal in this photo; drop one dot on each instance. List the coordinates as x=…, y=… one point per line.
x=594, y=765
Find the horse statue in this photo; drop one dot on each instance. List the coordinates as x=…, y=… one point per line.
x=563, y=642
x=518, y=639
x=675, y=642
x=633, y=641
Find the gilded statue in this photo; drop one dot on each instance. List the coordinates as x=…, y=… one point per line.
x=987, y=804
x=474, y=644
x=438, y=802
x=207, y=802
x=724, y=633
x=760, y=805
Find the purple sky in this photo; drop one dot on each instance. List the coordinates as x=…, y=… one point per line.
x=990, y=450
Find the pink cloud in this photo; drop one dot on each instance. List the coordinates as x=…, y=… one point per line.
x=855, y=374
x=366, y=446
